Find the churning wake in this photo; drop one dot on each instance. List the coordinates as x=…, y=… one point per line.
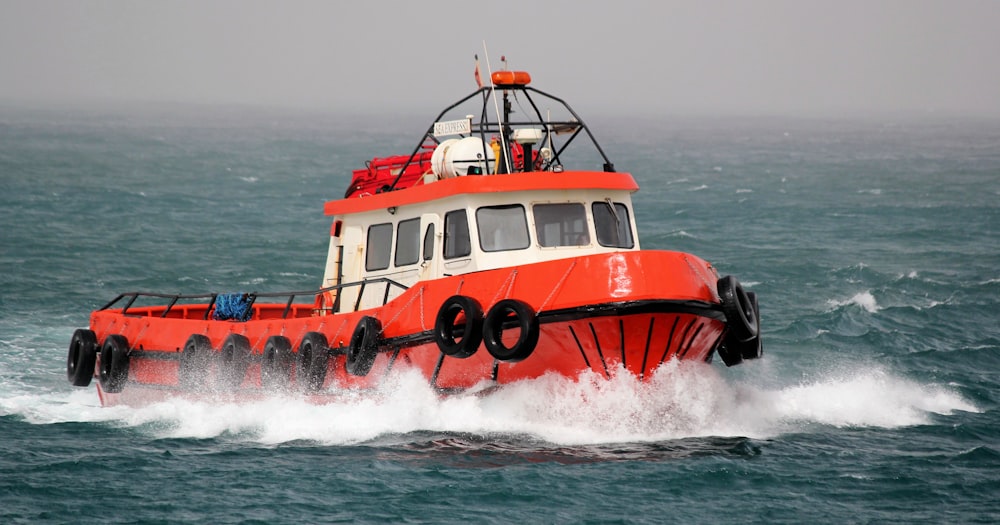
x=682, y=400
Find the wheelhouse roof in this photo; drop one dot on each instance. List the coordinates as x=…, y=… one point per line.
x=476, y=184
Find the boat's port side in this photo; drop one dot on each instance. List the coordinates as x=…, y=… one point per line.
x=637, y=337
x=670, y=311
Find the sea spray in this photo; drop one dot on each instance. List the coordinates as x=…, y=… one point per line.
x=681, y=400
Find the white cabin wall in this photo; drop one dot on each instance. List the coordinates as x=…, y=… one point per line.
x=355, y=228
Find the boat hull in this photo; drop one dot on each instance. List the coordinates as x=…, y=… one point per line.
x=609, y=313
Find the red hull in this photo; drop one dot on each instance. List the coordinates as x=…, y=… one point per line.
x=600, y=313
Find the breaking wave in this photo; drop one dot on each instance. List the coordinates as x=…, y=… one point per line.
x=865, y=300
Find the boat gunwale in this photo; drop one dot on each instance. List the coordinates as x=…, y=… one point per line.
x=611, y=309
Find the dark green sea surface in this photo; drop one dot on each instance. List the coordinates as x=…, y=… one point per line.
x=873, y=245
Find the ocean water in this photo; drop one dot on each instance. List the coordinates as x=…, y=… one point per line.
x=873, y=245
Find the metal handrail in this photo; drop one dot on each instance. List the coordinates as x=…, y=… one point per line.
x=484, y=126
x=131, y=297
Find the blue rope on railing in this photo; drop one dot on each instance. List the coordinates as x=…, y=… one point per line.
x=235, y=306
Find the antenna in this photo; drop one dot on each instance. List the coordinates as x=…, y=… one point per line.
x=496, y=107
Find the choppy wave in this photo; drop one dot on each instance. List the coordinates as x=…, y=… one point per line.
x=878, y=387
x=865, y=300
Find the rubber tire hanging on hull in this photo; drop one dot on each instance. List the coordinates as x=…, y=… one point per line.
x=742, y=339
x=311, y=362
x=82, y=357
x=114, y=363
x=364, y=346
x=469, y=333
x=192, y=372
x=729, y=353
x=753, y=349
x=741, y=319
x=232, y=361
x=276, y=363
x=505, y=314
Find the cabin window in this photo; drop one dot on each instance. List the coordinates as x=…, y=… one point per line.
x=407, y=242
x=429, y=242
x=379, y=245
x=614, y=229
x=456, y=235
x=502, y=228
x=563, y=224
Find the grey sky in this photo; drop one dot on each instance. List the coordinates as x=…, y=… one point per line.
x=770, y=57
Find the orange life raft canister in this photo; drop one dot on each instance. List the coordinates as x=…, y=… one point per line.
x=510, y=78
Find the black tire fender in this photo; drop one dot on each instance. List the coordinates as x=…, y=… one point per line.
x=730, y=354
x=311, y=361
x=82, y=357
x=276, y=363
x=364, y=346
x=469, y=333
x=232, y=361
x=741, y=319
x=192, y=372
x=114, y=363
x=506, y=314
x=754, y=348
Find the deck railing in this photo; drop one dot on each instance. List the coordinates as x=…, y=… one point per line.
x=171, y=300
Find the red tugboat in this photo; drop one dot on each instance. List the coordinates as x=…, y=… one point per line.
x=482, y=257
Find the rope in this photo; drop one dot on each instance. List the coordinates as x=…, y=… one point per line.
x=235, y=306
x=405, y=306
x=557, y=286
x=423, y=325
x=713, y=289
x=509, y=279
x=135, y=342
x=335, y=334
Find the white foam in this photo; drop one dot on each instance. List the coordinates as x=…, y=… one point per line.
x=681, y=400
x=861, y=398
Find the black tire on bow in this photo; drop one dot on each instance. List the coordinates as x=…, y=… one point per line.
x=459, y=340
x=741, y=319
x=754, y=348
x=505, y=315
x=730, y=353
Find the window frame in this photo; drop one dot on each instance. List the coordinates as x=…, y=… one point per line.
x=399, y=238
x=618, y=207
x=513, y=248
x=428, y=244
x=388, y=246
x=582, y=217
x=448, y=239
